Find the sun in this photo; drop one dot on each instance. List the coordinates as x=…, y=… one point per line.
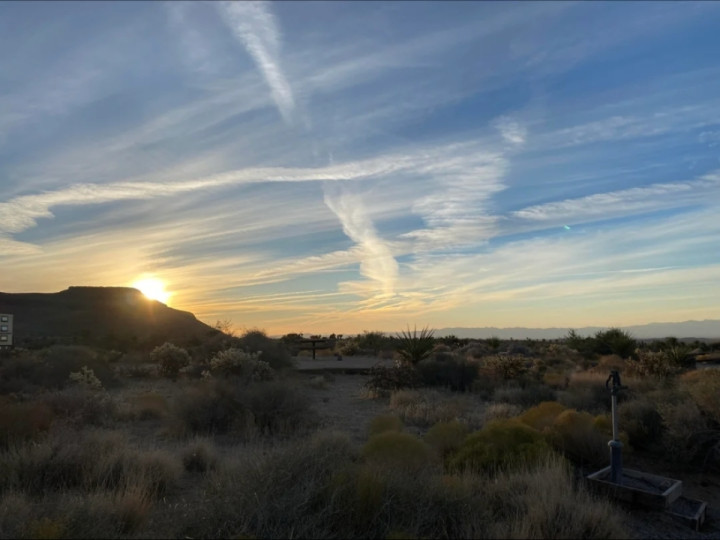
x=153, y=288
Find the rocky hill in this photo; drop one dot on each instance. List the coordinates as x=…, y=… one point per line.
x=111, y=317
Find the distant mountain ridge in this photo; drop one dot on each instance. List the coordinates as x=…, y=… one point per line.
x=105, y=316
x=706, y=329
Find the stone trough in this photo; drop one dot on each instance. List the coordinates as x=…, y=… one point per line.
x=636, y=487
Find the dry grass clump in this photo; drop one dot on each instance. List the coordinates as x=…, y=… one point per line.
x=277, y=492
x=547, y=504
x=704, y=388
x=425, y=407
x=93, y=515
x=150, y=405
x=89, y=461
x=500, y=411
x=686, y=429
x=200, y=455
x=22, y=421
x=79, y=406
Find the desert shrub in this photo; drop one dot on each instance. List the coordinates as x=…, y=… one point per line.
x=149, y=405
x=23, y=421
x=507, y=367
x=278, y=408
x=397, y=450
x=384, y=422
x=79, y=406
x=272, y=351
x=615, y=341
x=414, y=346
x=170, y=359
x=212, y=407
x=427, y=407
x=500, y=411
x=86, y=378
x=453, y=373
x=446, y=437
x=555, y=380
x=53, y=366
x=641, y=421
x=319, y=382
x=239, y=363
x=686, y=430
x=383, y=380
x=543, y=415
x=704, y=388
x=137, y=371
x=524, y=393
x=586, y=391
x=474, y=350
x=200, y=455
x=580, y=437
x=502, y=444
x=373, y=342
x=652, y=363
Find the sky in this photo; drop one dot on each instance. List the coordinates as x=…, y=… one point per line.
x=335, y=167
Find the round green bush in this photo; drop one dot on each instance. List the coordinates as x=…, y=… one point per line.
x=501, y=444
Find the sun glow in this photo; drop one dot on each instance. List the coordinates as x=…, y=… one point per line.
x=153, y=288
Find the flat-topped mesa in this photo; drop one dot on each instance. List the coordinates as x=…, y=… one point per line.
x=107, y=316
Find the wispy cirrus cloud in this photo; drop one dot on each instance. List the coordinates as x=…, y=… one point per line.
x=625, y=202
x=255, y=26
x=377, y=261
x=511, y=130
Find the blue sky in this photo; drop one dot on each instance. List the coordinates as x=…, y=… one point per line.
x=344, y=166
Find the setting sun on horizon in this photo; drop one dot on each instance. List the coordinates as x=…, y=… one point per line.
x=153, y=288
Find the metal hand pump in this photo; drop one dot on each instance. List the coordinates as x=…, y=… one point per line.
x=615, y=444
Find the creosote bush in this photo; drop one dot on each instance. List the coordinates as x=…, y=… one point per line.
x=449, y=372
x=446, y=437
x=384, y=422
x=501, y=444
x=272, y=351
x=397, y=450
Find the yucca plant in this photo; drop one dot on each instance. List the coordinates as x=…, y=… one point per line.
x=414, y=346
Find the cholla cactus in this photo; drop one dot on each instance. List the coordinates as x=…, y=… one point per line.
x=243, y=364
x=86, y=377
x=170, y=358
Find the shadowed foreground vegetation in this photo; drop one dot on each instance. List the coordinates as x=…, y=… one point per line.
x=478, y=439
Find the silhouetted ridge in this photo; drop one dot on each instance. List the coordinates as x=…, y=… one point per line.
x=120, y=317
